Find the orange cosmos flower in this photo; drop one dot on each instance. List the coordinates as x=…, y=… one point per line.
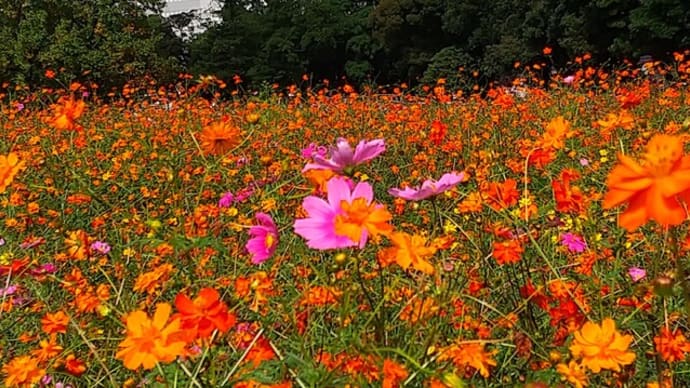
x=78, y=244
x=556, y=132
x=320, y=296
x=501, y=195
x=9, y=167
x=507, y=252
x=671, y=345
x=411, y=250
x=568, y=198
x=261, y=351
x=55, y=323
x=203, y=314
x=22, y=372
x=464, y=355
x=66, y=111
x=220, y=137
x=651, y=189
x=47, y=349
x=150, y=341
x=602, y=346
x=393, y=374
x=360, y=215
x=574, y=373
x=319, y=178
x=74, y=366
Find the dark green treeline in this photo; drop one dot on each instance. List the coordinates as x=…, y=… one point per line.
x=385, y=41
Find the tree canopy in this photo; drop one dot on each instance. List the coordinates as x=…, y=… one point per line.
x=377, y=41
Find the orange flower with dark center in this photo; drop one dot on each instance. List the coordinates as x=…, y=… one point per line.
x=9, y=167
x=203, y=314
x=359, y=217
x=651, y=189
x=66, y=112
x=219, y=138
x=602, y=346
x=150, y=341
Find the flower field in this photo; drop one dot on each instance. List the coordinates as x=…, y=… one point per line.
x=535, y=237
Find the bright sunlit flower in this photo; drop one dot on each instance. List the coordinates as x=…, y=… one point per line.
x=9, y=167
x=651, y=189
x=573, y=373
x=150, y=341
x=637, y=273
x=345, y=220
x=602, y=346
x=22, y=371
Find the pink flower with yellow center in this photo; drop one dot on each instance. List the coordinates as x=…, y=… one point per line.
x=264, y=239
x=346, y=219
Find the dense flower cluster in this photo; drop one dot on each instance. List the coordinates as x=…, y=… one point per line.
x=325, y=238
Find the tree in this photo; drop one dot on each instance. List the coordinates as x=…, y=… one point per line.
x=113, y=40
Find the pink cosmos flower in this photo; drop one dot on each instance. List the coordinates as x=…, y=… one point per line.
x=429, y=188
x=314, y=149
x=343, y=157
x=573, y=242
x=264, y=239
x=345, y=220
x=637, y=273
x=226, y=200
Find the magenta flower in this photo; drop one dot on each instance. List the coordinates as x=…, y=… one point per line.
x=264, y=239
x=100, y=247
x=343, y=157
x=429, y=188
x=573, y=242
x=345, y=220
x=7, y=291
x=637, y=274
x=314, y=149
x=226, y=200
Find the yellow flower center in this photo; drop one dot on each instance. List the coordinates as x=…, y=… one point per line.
x=663, y=151
x=354, y=218
x=270, y=240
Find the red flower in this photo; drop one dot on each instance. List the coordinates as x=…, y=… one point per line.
x=204, y=314
x=568, y=198
x=509, y=251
